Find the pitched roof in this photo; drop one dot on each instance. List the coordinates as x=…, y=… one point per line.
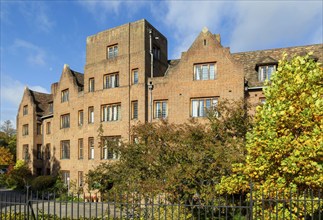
x=250, y=60
x=42, y=101
x=79, y=78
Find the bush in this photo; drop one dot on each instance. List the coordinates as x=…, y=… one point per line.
x=42, y=183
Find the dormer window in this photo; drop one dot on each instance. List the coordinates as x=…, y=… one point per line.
x=265, y=72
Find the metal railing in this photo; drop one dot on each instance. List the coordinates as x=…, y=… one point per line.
x=253, y=205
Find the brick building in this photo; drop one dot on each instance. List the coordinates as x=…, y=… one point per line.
x=59, y=131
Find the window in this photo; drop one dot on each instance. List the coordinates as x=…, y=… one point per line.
x=65, y=149
x=111, y=112
x=91, y=148
x=80, y=118
x=65, y=94
x=25, y=152
x=134, y=110
x=65, y=176
x=111, y=81
x=265, y=72
x=80, y=149
x=205, y=71
x=25, y=110
x=160, y=109
x=65, y=121
x=39, y=129
x=80, y=179
x=262, y=100
x=39, y=152
x=156, y=52
x=51, y=107
x=200, y=106
x=112, y=51
x=25, y=130
x=48, y=128
x=91, y=115
x=109, y=151
x=47, y=151
x=135, y=76
x=91, y=85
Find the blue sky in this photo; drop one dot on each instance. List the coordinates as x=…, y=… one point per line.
x=39, y=37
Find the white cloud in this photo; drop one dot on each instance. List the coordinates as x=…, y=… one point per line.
x=11, y=92
x=246, y=25
x=266, y=24
x=35, y=54
x=187, y=19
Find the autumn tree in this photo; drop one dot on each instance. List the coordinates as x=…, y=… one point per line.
x=8, y=137
x=285, y=147
x=6, y=157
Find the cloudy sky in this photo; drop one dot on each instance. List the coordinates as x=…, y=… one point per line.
x=38, y=37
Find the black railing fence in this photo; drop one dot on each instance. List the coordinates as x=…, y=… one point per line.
x=253, y=205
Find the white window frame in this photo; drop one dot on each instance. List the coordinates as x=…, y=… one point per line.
x=111, y=81
x=112, y=51
x=65, y=95
x=111, y=112
x=205, y=71
x=134, y=109
x=200, y=106
x=161, y=109
x=91, y=148
x=108, y=153
x=91, y=84
x=65, y=121
x=264, y=73
x=65, y=150
x=91, y=115
x=135, y=76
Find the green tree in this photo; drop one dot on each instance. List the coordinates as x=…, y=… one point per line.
x=183, y=160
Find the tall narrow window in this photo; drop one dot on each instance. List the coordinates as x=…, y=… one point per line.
x=80, y=117
x=156, y=52
x=25, y=110
x=47, y=151
x=160, y=109
x=39, y=132
x=48, y=128
x=65, y=176
x=109, y=149
x=111, y=81
x=39, y=152
x=51, y=107
x=134, y=110
x=25, y=130
x=91, y=85
x=91, y=148
x=65, y=149
x=25, y=152
x=111, y=112
x=91, y=115
x=65, y=95
x=80, y=149
x=112, y=51
x=65, y=121
x=80, y=178
x=265, y=72
x=135, y=76
x=206, y=71
x=201, y=106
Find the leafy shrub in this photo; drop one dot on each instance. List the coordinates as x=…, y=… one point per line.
x=42, y=183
